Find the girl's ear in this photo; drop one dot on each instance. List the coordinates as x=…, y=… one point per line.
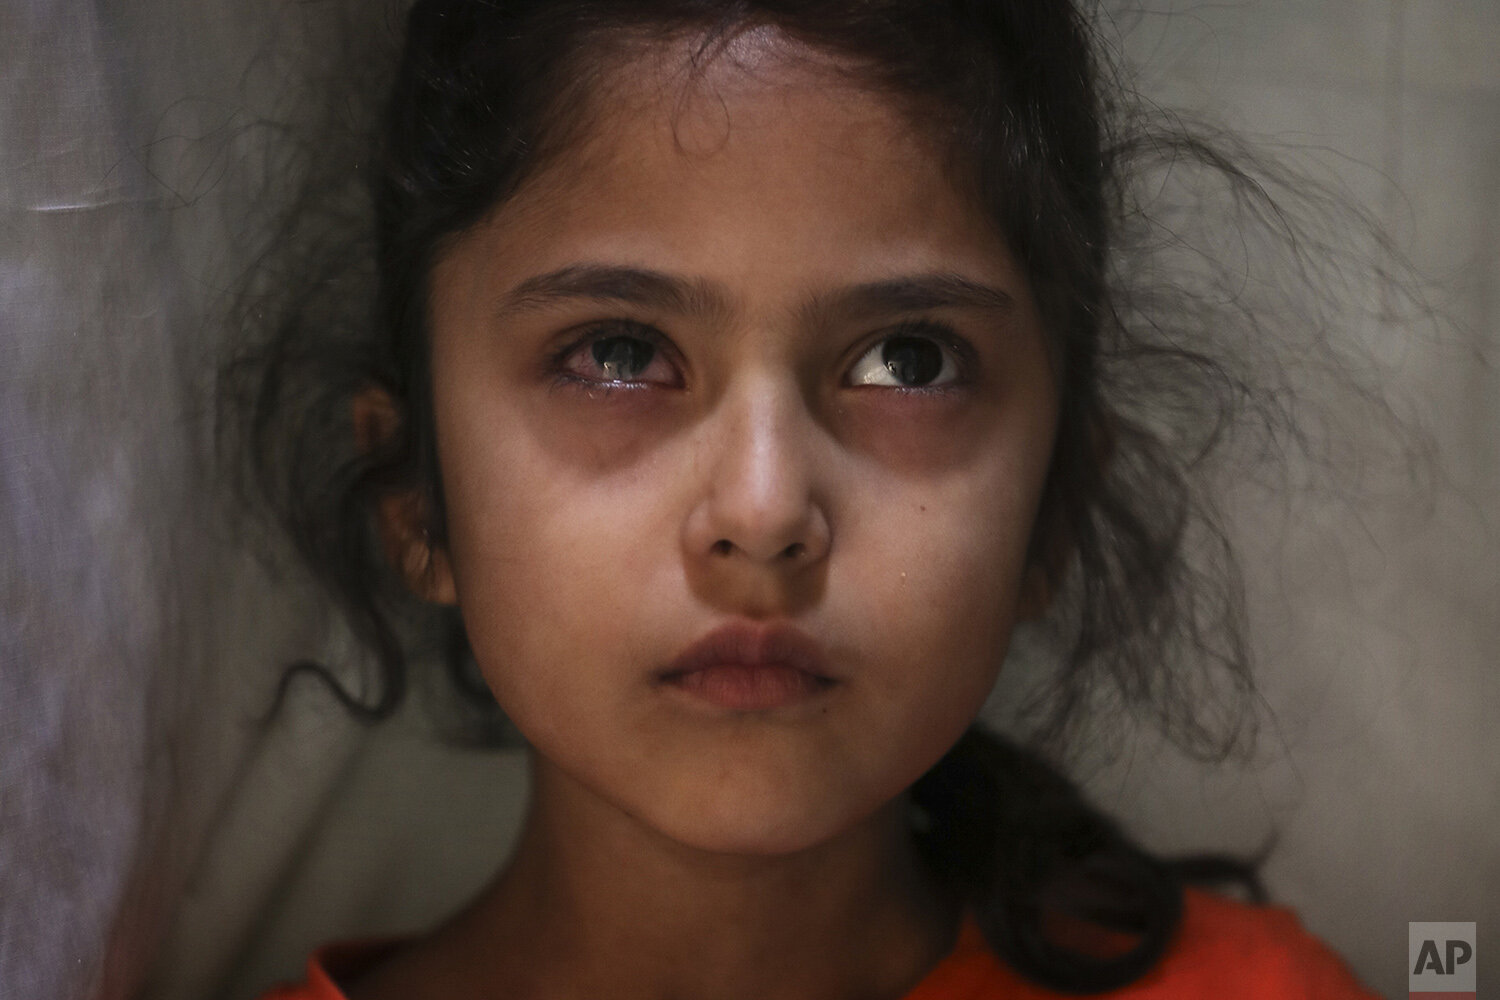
x=402, y=518
x=424, y=567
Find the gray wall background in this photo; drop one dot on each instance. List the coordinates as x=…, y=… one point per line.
x=154, y=842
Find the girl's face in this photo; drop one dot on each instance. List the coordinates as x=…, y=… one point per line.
x=743, y=414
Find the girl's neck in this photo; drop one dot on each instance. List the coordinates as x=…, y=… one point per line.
x=595, y=904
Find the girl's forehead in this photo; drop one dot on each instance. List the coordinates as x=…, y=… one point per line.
x=703, y=95
x=755, y=116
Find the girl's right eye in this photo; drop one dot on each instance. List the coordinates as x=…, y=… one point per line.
x=620, y=354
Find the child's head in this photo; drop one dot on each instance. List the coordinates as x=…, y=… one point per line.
x=742, y=371
x=924, y=191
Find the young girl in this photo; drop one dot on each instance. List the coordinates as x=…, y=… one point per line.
x=743, y=374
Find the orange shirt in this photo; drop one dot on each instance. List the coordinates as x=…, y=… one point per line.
x=1225, y=950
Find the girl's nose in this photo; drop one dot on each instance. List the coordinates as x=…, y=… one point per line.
x=759, y=500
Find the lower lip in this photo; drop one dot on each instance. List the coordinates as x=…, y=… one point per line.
x=743, y=688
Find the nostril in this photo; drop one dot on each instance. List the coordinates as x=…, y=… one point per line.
x=791, y=553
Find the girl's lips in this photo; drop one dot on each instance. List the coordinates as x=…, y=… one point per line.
x=744, y=688
x=746, y=667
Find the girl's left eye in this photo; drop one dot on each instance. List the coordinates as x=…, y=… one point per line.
x=621, y=354
x=906, y=361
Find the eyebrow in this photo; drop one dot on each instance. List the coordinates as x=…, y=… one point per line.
x=673, y=294
x=917, y=293
x=612, y=283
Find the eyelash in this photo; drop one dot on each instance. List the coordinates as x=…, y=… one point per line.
x=942, y=334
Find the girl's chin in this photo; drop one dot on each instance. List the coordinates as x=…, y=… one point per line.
x=766, y=830
x=753, y=798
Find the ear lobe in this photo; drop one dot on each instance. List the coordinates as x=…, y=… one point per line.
x=402, y=517
x=424, y=568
